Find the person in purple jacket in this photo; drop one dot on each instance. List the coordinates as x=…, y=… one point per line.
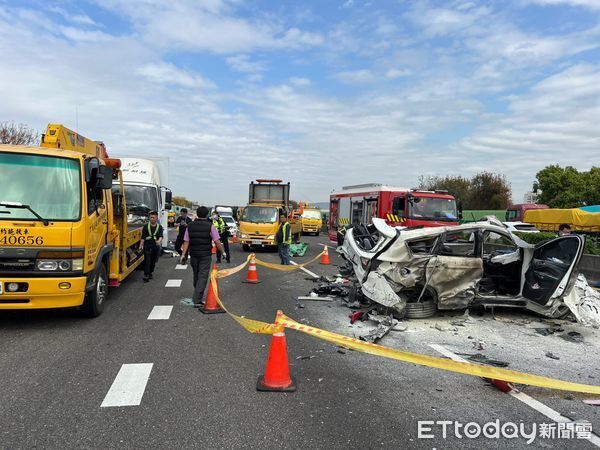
x=198, y=239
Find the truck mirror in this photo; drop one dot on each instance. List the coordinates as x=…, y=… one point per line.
x=168, y=199
x=104, y=176
x=91, y=166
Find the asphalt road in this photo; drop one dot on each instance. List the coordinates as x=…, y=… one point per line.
x=57, y=368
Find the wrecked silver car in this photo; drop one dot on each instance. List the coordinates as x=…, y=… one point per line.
x=414, y=272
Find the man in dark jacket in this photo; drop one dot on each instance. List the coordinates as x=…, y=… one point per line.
x=152, y=236
x=182, y=222
x=198, y=239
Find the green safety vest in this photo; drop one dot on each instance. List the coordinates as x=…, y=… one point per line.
x=152, y=235
x=284, y=229
x=220, y=225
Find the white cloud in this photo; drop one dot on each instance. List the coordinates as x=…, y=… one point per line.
x=592, y=4
x=169, y=74
x=300, y=81
x=355, y=76
x=243, y=63
x=397, y=73
x=209, y=26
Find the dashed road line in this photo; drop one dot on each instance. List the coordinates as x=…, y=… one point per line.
x=160, y=313
x=181, y=267
x=173, y=283
x=524, y=398
x=312, y=274
x=129, y=386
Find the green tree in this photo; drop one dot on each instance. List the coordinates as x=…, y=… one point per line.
x=182, y=201
x=566, y=187
x=455, y=185
x=489, y=191
x=485, y=190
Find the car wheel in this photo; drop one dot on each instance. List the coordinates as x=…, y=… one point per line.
x=420, y=310
x=246, y=247
x=93, y=305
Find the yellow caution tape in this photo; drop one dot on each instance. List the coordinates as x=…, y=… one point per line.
x=282, y=321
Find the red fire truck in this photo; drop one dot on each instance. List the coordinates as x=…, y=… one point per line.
x=398, y=206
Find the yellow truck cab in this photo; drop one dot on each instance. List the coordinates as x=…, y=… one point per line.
x=63, y=233
x=259, y=220
x=312, y=220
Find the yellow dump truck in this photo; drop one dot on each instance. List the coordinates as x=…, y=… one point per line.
x=259, y=221
x=63, y=233
x=312, y=220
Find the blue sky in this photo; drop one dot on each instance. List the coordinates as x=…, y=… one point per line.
x=320, y=93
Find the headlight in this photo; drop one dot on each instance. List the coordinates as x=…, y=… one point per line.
x=271, y=236
x=244, y=235
x=47, y=265
x=64, y=265
x=59, y=265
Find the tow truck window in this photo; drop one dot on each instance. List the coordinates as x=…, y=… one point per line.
x=311, y=215
x=258, y=214
x=51, y=186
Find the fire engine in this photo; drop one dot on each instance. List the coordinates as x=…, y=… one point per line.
x=399, y=206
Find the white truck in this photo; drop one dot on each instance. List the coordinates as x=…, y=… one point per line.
x=145, y=182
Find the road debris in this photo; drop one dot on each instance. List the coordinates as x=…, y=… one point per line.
x=333, y=289
x=385, y=324
x=592, y=401
x=482, y=359
x=548, y=331
x=573, y=336
x=479, y=345
x=316, y=298
x=552, y=355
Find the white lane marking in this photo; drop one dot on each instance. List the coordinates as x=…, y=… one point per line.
x=173, y=283
x=524, y=398
x=181, y=267
x=314, y=275
x=129, y=385
x=160, y=313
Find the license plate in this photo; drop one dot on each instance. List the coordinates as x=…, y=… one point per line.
x=256, y=242
x=1, y=285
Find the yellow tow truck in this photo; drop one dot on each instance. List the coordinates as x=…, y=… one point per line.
x=63, y=233
x=259, y=220
x=312, y=220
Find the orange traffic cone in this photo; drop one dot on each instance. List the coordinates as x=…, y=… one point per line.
x=214, y=249
x=325, y=257
x=211, y=306
x=252, y=273
x=277, y=373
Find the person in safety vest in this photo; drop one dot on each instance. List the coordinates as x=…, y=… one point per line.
x=284, y=239
x=152, y=236
x=223, y=231
x=198, y=239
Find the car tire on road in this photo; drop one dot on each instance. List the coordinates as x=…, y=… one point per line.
x=93, y=305
x=420, y=310
x=246, y=247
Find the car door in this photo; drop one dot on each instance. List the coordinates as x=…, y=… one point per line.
x=551, y=268
x=456, y=269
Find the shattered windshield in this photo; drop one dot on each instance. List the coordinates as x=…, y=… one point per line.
x=307, y=214
x=431, y=208
x=51, y=186
x=260, y=214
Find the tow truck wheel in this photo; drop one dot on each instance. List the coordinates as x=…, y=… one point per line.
x=93, y=304
x=246, y=247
